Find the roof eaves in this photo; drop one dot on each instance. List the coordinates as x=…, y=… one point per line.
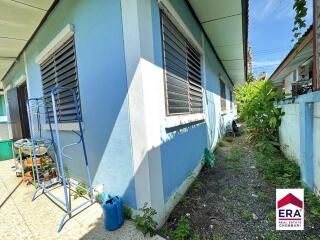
x=32, y=36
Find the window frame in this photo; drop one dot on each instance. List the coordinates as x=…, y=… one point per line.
x=223, y=100
x=190, y=41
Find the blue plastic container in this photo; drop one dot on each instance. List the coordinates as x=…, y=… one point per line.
x=119, y=204
x=113, y=213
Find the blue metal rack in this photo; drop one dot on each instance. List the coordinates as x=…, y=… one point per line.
x=38, y=114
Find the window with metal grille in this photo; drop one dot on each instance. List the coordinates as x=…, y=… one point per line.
x=60, y=69
x=223, y=95
x=182, y=71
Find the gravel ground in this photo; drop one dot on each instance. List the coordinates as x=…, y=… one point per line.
x=231, y=201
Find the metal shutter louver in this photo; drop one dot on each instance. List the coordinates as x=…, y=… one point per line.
x=60, y=69
x=182, y=66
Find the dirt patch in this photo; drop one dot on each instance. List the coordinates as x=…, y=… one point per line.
x=231, y=201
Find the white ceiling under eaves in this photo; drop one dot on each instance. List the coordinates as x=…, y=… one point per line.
x=18, y=21
x=222, y=22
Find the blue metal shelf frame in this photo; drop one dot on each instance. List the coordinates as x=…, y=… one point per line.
x=34, y=105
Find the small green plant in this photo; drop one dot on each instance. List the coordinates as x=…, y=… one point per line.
x=217, y=237
x=184, y=200
x=127, y=212
x=197, y=236
x=81, y=190
x=66, y=173
x=271, y=216
x=271, y=236
x=145, y=223
x=246, y=215
x=183, y=229
x=221, y=143
x=209, y=158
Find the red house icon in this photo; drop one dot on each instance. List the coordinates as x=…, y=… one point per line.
x=290, y=198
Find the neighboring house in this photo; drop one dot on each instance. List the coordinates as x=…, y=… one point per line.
x=294, y=74
x=299, y=132
x=154, y=80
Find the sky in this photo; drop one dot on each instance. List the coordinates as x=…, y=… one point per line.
x=270, y=35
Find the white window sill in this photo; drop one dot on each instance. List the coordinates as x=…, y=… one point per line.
x=72, y=126
x=3, y=119
x=174, y=121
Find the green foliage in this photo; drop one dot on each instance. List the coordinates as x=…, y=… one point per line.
x=256, y=107
x=267, y=147
x=246, y=215
x=145, y=223
x=217, y=237
x=300, y=7
x=197, y=236
x=285, y=173
x=81, y=190
x=279, y=170
x=209, y=158
x=271, y=236
x=66, y=173
x=127, y=212
x=221, y=143
x=312, y=205
x=271, y=216
x=251, y=78
x=183, y=229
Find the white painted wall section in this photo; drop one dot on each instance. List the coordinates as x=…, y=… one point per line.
x=144, y=90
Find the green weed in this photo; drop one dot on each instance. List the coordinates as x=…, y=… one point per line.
x=271, y=216
x=197, y=236
x=127, y=212
x=183, y=229
x=312, y=205
x=221, y=143
x=145, y=223
x=217, y=237
x=246, y=215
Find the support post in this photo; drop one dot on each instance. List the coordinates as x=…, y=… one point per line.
x=306, y=143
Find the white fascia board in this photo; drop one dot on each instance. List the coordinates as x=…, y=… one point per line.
x=57, y=42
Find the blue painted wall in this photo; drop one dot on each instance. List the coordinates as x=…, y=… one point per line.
x=103, y=89
x=182, y=147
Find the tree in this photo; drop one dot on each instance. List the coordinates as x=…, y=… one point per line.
x=251, y=78
x=300, y=7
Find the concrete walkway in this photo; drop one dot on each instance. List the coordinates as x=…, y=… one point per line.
x=20, y=218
